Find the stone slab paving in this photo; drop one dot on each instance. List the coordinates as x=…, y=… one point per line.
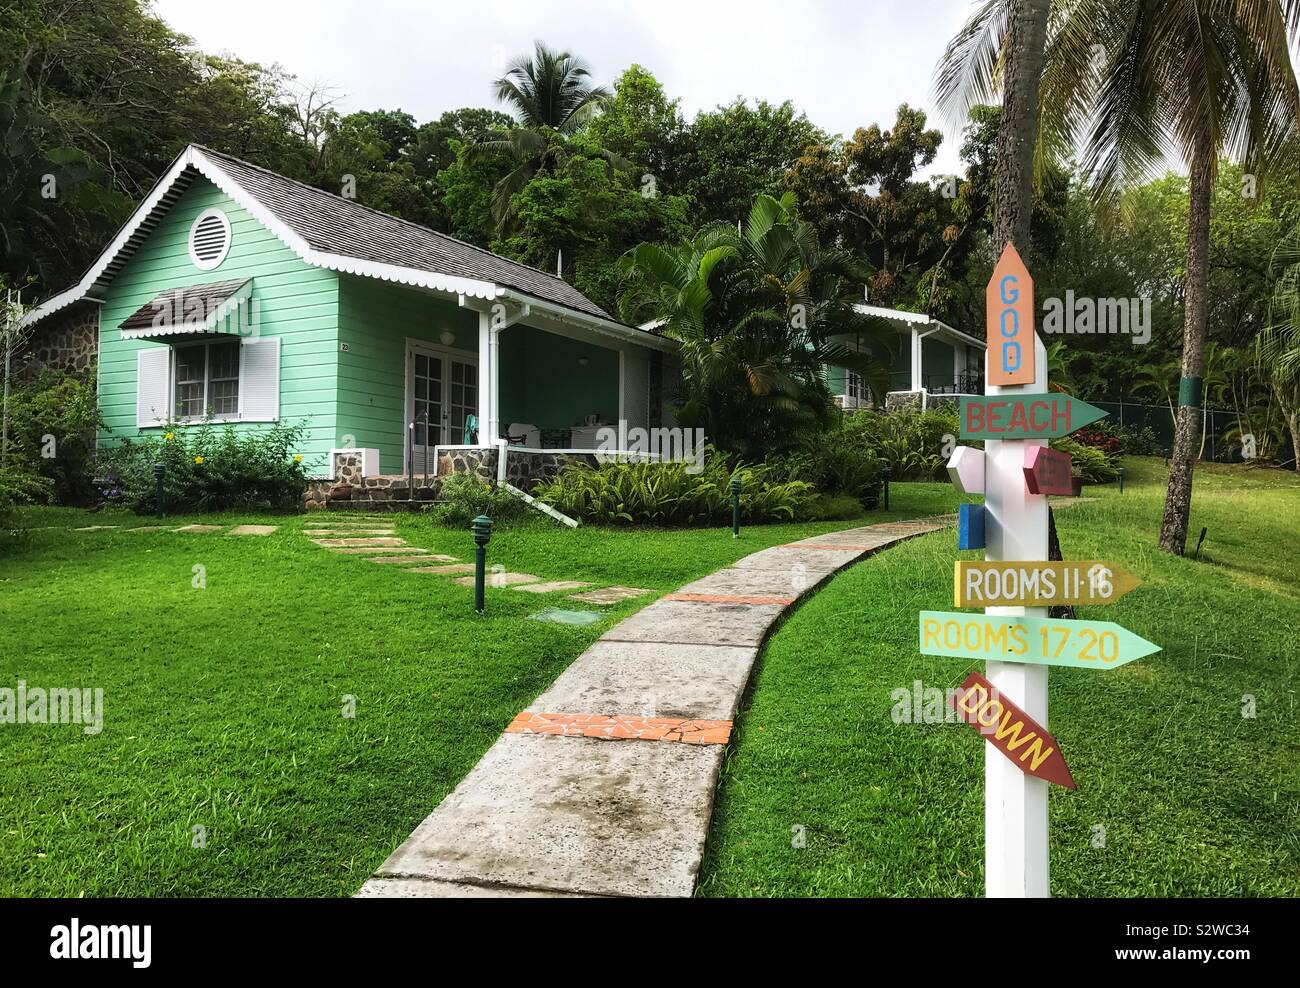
x=499, y=580
x=369, y=541
x=96, y=528
x=552, y=586
x=609, y=595
x=590, y=791
x=414, y=559
x=149, y=528
x=451, y=569
x=349, y=531
x=379, y=550
x=253, y=530
x=199, y=529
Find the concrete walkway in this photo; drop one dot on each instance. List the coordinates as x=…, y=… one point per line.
x=604, y=786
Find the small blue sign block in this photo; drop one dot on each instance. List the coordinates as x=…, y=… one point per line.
x=970, y=526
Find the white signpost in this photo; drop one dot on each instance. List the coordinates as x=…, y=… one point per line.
x=1015, y=804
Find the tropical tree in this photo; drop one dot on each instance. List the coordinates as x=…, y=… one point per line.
x=1279, y=344
x=550, y=95
x=759, y=314
x=1136, y=81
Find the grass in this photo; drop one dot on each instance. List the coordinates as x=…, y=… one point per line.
x=1195, y=799
x=223, y=706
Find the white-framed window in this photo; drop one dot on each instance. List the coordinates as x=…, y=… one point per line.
x=207, y=380
x=227, y=380
x=852, y=387
x=209, y=239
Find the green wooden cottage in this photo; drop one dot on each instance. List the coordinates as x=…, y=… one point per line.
x=241, y=294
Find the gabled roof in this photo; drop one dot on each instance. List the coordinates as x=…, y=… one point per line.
x=340, y=234
x=904, y=318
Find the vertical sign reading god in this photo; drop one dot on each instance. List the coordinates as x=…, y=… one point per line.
x=1009, y=308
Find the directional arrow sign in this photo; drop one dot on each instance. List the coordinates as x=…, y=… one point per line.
x=1009, y=320
x=966, y=469
x=1047, y=471
x=1012, y=731
x=1017, y=416
x=1041, y=641
x=1084, y=583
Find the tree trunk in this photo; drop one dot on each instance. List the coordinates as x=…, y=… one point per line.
x=1187, y=425
x=1291, y=415
x=1013, y=187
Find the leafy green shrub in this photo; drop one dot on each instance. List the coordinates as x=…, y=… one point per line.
x=837, y=463
x=210, y=468
x=1087, y=462
x=52, y=422
x=18, y=485
x=667, y=494
x=462, y=497
x=914, y=444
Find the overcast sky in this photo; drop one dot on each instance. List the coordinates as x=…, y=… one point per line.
x=846, y=63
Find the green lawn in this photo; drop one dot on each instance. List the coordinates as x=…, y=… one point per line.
x=1195, y=799
x=223, y=706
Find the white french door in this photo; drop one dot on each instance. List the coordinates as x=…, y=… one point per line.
x=441, y=391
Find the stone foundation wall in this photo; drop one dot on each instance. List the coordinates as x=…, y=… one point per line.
x=66, y=341
x=480, y=462
x=527, y=470
x=523, y=470
x=896, y=400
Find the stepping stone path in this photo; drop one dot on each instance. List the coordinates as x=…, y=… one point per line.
x=409, y=560
x=95, y=528
x=499, y=580
x=367, y=541
x=604, y=786
x=198, y=529
x=553, y=586
x=365, y=537
x=253, y=530
x=349, y=531
x=609, y=595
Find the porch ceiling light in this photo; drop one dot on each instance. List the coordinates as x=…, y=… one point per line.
x=447, y=337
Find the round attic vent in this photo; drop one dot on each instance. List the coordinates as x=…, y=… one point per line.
x=209, y=239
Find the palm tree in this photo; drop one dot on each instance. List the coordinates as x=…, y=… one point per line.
x=1138, y=80
x=759, y=314
x=551, y=99
x=1279, y=344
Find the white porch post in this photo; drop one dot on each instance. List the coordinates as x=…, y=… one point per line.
x=916, y=360
x=487, y=380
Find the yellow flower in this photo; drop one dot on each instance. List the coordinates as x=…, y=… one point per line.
x=168, y=437
x=198, y=459
x=297, y=457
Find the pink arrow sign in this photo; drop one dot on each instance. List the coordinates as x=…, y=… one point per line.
x=1047, y=471
x=966, y=470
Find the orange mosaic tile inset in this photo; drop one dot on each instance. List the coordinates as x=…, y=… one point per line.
x=620, y=728
x=730, y=598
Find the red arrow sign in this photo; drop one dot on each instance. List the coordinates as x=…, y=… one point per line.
x=1047, y=471
x=1012, y=731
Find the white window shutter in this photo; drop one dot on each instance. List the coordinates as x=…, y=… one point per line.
x=153, y=385
x=259, y=384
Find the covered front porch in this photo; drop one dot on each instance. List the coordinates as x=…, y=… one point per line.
x=932, y=360
x=508, y=391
